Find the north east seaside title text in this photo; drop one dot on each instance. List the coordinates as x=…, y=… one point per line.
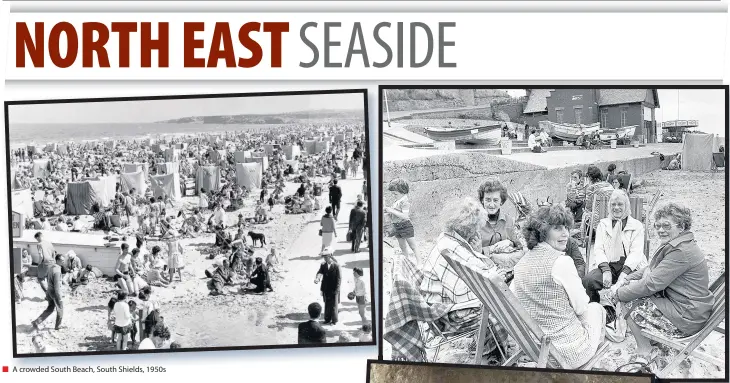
x=226, y=45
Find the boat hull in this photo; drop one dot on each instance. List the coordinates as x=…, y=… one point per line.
x=623, y=133
x=571, y=132
x=483, y=135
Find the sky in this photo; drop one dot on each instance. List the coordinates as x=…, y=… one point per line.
x=158, y=110
x=705, y=105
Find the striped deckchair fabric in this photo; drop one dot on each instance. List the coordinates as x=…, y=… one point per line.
x=521, y=204
x=498, y=300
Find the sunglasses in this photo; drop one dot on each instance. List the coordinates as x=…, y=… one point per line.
x=666, y=226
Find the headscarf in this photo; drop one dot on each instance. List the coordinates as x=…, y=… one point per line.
x=618, y=228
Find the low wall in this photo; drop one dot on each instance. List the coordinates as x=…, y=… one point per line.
x=439, y=181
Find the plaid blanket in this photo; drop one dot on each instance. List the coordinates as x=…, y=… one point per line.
x=406, y=309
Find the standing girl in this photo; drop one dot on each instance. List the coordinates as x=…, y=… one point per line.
x=400, y=218
x=360, y=293
x=174, y=255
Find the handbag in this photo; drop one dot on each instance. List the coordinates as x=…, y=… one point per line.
x=349, y=236
x=320, y=232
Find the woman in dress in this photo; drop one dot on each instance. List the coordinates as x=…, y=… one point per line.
x=548, y=286
x=174, y=254
x=328, y=228
x=671, y=295
x=399, y=214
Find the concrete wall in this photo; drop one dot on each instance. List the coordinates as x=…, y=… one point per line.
x=437, y=182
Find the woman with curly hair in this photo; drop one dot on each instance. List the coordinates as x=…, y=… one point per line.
x=501, y=239
x=461, y=239
x=400, y=217
x=157, y=339
x=671, y=294
x=549, y=288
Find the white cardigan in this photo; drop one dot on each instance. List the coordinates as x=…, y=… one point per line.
x=632, y=238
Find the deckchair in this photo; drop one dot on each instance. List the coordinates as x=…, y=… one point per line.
x=599, y=211
x=433, y=337
x=687, y=347
x=625, y=180
x=498, y=300
x=718, y=161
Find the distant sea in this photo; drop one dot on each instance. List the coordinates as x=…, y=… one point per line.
x=23, y=134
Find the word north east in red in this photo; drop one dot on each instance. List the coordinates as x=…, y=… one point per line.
x=66, y=43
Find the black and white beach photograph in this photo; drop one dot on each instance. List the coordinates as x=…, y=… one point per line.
x=408, y=372
x=190, y=222
x=559, y=228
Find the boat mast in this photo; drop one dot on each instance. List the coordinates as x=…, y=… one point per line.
x=387, y=110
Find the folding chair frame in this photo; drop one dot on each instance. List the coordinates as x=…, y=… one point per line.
x=687, y=347
x=498, y=300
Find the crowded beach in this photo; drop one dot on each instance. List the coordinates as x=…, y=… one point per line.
x=193, y=241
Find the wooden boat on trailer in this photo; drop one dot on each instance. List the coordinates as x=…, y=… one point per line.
x=477, y=135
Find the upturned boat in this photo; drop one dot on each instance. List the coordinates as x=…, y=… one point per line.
x=477, y=135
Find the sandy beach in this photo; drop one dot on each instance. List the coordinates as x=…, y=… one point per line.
x=705, y=194
x=197, y=319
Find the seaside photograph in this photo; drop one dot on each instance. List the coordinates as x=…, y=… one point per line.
x=561, y=228
x=190, y=222
x=402, y=372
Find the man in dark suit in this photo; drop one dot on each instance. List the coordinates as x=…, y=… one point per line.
x=357, y=225
x=311, y=332
x=329, y=275
x=335, y=197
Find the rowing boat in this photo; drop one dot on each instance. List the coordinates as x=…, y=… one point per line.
x=571, y=132
x=478, y=135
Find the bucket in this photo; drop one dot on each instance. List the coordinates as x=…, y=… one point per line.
x=613, y=144
x=506, y=146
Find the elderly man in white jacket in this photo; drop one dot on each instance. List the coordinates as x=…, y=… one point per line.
x=619, y=248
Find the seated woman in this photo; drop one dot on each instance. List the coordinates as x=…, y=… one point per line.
x=440, y=284
x=619, y=248
x=671, y=295
x=549, y=288
x=576, y=191
x=596, y=187
x=500, y=238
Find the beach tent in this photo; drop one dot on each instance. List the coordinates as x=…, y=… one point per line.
x=111, y=144
x=310, y=146
x=30, y=149
x=322, y=146
x=269, y=149
x=240, y=156
x=168, y=168
x=249, y=175
x=81, y=196
x=291, y=151
x=294, y=164
x=697, y=152
x=134, y=180
x=136, y=167
x=181, y=146
x=149, y=141
x=50, y=148
x=172, y=155
x=208, y=178
x=168, y=184
x=110, y=188
x=22, y=202
x=339, y=137
x=41, y=168
x=264, y=161
x=62, y=149
x=716, y=145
